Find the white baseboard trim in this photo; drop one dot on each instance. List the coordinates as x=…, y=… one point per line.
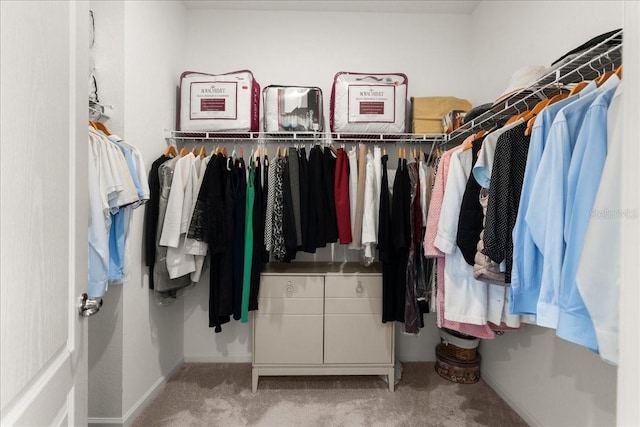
x=142, y=403
x=235, y=358
x=527, y=416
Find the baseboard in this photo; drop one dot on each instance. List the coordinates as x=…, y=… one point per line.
x=527, y=416
x=139, y=406
x=237, y=358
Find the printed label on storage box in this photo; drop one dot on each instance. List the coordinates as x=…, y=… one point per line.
x=214, y=100
x=372, y=104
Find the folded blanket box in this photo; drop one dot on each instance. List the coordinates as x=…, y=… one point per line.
x=368, y=103
x=219, y=102
x=292, y=108
x=429, y=111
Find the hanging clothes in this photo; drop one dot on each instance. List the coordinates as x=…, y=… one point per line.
x=370, y=213
x=178, y=263
x=602, y=241
x=209, y=223
x=151, y=214
x=356, y=233
x=352, y=156
x=545, y=215
x=239, y=195
x=288, y=214
x=400, y=238
x=304, y=199
x=341, y=194
x=507, y=178
x=163, y=282
x=328, y=176
x=433, y=218
x=526, y=272
x=257, y=260
x=248, y=242
x=584, y=174
x=265, y=206
x=411, y=311
x=293, y=162
x=471, y=218
x=385, y=250
x=278, y=246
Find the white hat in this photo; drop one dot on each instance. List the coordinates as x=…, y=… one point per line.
x=522, y=79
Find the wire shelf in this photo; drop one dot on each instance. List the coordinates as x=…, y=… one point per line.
x=305, y=137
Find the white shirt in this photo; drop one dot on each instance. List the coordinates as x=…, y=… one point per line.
x=178, y=263
x=370, y=213
x=465, y=298
x=598, y=275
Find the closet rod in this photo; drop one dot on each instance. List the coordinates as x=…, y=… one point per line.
x=302, y=137
x=579, y=68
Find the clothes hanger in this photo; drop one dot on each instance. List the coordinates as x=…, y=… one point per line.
x=604, y=77
x=93, y=125
x=578, y=87
x=535, y=110
x=278, y=151
x=183, y=151
x=618, y=71
x=203, y=151
x=195, y=151
x=548, y=102
x=171, y=151
x=102, y=127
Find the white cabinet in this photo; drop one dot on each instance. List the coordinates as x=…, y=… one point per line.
x=321, y=319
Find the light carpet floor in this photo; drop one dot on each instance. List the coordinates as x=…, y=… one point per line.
x=208, y=394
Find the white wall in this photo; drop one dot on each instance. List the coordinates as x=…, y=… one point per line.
x=135, y=345
x=629, y=370
x=106, y=328
x=307, y=49
x=509, y=35
x=533, y=369
x=154, y=42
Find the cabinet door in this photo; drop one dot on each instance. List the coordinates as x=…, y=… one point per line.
x=288, y=324
x=353, y=328
x=288, y=339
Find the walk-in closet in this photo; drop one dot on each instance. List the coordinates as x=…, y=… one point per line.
x=325, y=306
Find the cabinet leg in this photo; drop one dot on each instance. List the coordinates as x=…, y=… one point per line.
x=391, y=378
x=254, y=381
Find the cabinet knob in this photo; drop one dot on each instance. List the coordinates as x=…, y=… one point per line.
x=359, y=288
x=289, y=288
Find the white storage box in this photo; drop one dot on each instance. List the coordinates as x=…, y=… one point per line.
x=292, y=108
x=368, y=103
x=219, y=102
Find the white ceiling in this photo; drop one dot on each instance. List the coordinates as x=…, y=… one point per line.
x=397, y=6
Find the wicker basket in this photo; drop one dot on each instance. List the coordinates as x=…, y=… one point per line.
x=455, y=370
x=458, y=353
x=458, y=347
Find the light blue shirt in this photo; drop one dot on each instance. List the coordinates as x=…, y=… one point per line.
x=526, y=271
x=583, y=179
x=132, y=169
x=545, y=214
